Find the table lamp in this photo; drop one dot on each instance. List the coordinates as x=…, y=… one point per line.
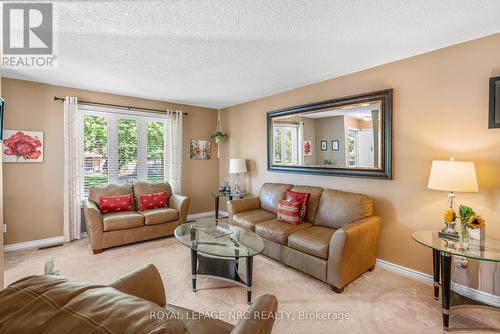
x=237, y=166
x=452, y=176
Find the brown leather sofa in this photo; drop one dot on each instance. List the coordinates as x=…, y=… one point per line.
x=135, y=303
x=337, y=242
x=120, y=228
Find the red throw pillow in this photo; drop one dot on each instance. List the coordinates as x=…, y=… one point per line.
x=288, y=211
x=302, y=198
x=152, y=201
x=109, y=204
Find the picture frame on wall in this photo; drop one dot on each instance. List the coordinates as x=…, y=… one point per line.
x=199, y=149
x=494, y=107
x=324, y=145
x=307, y=148
x=22, y=146
x=335, y=145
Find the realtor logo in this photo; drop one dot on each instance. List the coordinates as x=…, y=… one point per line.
x=27, y=28
x=28, y=38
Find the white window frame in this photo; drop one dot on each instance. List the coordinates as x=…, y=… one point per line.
x=112, y=117
x=295, y=141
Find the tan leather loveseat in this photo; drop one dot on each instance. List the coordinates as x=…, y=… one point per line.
x=119, y=228
x=336, y=244
x=135, y=303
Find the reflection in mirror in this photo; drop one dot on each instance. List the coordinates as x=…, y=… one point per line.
x=347, y=136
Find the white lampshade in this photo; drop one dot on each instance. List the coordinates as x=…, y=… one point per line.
x=451, y=176
x=237, y=166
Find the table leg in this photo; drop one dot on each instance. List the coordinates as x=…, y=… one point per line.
x=249, y=278
x=216, y=207
x=194, y=262
x=446, y=287
x=435, y=264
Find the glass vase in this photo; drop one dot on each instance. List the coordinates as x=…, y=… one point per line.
x=464, y=236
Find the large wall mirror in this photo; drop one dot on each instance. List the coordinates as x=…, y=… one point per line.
x=349, y=136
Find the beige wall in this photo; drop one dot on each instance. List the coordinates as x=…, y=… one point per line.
x=1, y=213
x=34, y=191
x=440, y=110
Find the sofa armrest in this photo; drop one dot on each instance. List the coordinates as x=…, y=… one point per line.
x=93, y=220
x=241, y=205
x=144, y=283
x=259, y=318
x=180, y=203
x=353, y=250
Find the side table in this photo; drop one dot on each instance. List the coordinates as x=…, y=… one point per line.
x=442, y=252
x=229, y=196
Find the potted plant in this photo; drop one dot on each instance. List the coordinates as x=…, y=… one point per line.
x=218, y=136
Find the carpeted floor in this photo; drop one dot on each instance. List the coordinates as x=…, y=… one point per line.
x=377, y=302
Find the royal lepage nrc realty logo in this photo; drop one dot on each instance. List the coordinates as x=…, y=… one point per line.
x=28, y=35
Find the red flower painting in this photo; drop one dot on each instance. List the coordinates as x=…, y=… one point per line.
x=23, y=145
x=307, y=148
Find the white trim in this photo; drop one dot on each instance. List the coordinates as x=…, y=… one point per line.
x=34, y=244
x=207, y=214
x=466, y=291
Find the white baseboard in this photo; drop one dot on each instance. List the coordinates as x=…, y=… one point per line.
x=207, y=214
x=479, y=295
x=34, y=244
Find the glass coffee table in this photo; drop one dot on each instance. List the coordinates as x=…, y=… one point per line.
x=220, y=250
x=442, y=251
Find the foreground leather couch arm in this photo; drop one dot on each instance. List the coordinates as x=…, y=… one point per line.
x=236, y=206
x=180, y=203
x=353, y=251
x=144, y=283
x=259, y=318
x=93, y=220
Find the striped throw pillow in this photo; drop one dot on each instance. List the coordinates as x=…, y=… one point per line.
x=289, y=211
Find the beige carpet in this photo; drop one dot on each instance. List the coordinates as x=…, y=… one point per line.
x=378, y=302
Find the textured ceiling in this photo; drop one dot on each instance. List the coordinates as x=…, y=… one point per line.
x=220, y=53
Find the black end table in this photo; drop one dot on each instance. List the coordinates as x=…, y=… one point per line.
x=227, y=195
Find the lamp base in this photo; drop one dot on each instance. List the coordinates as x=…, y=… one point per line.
x=449, y=232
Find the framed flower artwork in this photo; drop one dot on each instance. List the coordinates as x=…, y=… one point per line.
x=307, y=148
x=22, y=146
x=199, y=149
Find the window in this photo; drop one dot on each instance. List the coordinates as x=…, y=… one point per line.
x=119, y=147
x=352, y=146
x=285, y=150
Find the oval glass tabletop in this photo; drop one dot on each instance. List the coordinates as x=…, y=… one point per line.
x=488, y=250
x=219, y=239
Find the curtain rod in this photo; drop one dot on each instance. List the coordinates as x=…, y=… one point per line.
x=116, y=106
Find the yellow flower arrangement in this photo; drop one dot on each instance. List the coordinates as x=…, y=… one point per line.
x=449, y=215
x=475, y=221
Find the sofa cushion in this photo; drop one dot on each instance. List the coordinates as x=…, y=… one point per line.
x=54, y=304
x=249, y=219
x=122, y=220
x=144, y=188
x=338, y=208
x=278, y=231
x=312, y=206
x=270, y=194
x=314, y=241
x=109, y=189
x=160, y=216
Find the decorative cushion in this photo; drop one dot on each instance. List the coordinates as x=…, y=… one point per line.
x=288, y=211
x=302, y=198
x=120, y=203
x=152, y=201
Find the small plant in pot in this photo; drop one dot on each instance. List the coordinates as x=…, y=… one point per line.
x=218, y=136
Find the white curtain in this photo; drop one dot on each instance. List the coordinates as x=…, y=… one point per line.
x=72, y=170
x=173, y=150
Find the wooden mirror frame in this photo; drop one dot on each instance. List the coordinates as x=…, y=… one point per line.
x=385, y=170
